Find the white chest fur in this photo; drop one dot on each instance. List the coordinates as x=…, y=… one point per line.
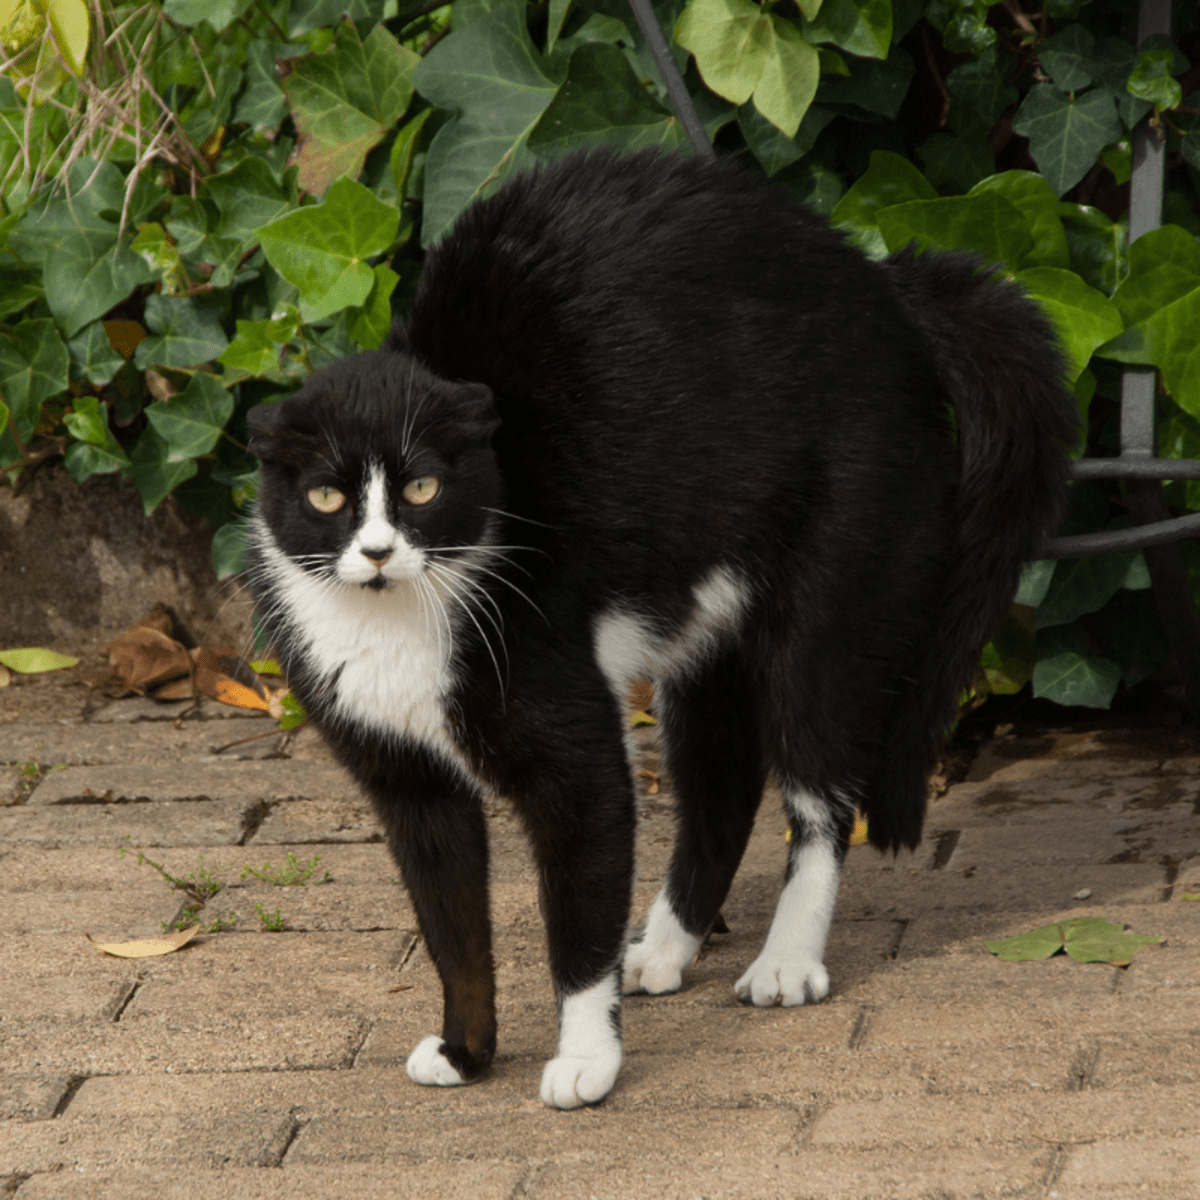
x=386, y=654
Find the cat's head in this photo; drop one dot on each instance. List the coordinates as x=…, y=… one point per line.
x=376, y=469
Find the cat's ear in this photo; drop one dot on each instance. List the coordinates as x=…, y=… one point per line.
x=476, y=410
x=263, y=421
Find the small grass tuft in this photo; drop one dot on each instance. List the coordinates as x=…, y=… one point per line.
x=292, y=874
x=272, y=922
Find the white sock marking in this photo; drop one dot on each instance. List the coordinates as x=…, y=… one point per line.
x=790, y=969
x=655, y=964
x=589, y=1048
x=428, y=1065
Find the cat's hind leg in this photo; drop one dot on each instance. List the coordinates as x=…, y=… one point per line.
x=790, y=969
x=711, y=740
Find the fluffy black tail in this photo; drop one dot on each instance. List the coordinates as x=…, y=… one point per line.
x=999, y=359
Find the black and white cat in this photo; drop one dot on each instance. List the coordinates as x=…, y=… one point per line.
x=650, y=418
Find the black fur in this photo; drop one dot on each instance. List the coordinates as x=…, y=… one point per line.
x=683, y=370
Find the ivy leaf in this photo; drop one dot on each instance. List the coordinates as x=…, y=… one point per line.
x=862, y=27
x=1081, y=586
x=191, y=422
x=1066, y=58
x=93, y=355
x=1096, y=939
x=184, y=332
x=96, y=452
x=344, y=100
x=986, y=222
x=218, y=13
x=1084, y=317
x=1067, y=134
x=1152, y=78
x=773, y=148
x=403, y=150
x=1033, y=946
x=34, y=367
x=262, y=104
x=878, y=87
x=373, y=323
x=19, y=288
x=956, y=162
x=93, y=193
x=82, y=285
x=986, y=84
x=151, y=472
x=1071, y=678
x=322, y=249
x=1099, y=246
x=1160, y=302
x=743, y=52
x=247, y=197
x=257, y=347
x=162, y=256
x=1034, y=198
x=962, y=24
x=229, y=548
x=494, y=79
x=602, y=102
x=889, y=180
x=307, y=15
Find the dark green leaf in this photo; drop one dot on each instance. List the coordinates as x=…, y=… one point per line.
x=1035, y=582
x=247, y=198
x=403, y=149
x=493, y=78
x=262, y=104
x=229, y=548
x=191, y=422
x=956, y=162
x=307, y=15
x=602, y=102
x=96, y=452
x=82, y=284
x=1070, y=678
x=1066, y=58
x=93, y=355
x=19, y=288
x=878, y=87
x=371, y=325
x=861, y=27
x=90, y=191
x=986, y=84
x=1066, y=135
x=1152, y=78
x=962, y=24
x=323, y=249
x=33, y=368
x=344, y=100
x=184, y=333
x=1098, y=246
x=773, y=149
x=152, y=474
x=986, y=222
x=1082, y=585
x=1131, y=635
x=1096, y=939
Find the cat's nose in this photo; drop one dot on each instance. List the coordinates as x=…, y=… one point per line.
x=378, y=557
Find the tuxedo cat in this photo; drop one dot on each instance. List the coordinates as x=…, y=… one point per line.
x=651, y=419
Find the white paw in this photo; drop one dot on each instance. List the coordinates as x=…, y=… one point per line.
x=643, y=971
x=774, y=980
x=572, y=1082
x=655, y=963
x=428, y=1065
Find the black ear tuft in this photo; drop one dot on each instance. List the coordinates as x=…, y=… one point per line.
x=476, y=408
x=263, y=423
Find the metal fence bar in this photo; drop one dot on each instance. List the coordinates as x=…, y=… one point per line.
x=677, y=93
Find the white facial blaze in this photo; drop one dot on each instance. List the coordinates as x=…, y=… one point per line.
x=378, y=537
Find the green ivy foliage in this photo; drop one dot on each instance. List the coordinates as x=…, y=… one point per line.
x=257, y=203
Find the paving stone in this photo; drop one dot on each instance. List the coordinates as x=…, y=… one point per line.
x=464, y=1181
x=31, y=1097
x=112, y=915
x=272, y=781
x=98, y=999
x=162, y=823
x=134, y=709
x=1078, y=754
x=1127, y=1166
x=303, y=822
x=241, y=1139
x=759, y=1174
x=1142, y=1059
x=928, y=1122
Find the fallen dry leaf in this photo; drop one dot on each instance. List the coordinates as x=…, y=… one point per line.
x=150, y=653
x=147, y=947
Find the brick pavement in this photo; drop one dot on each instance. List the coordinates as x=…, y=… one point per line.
x=257, y=1064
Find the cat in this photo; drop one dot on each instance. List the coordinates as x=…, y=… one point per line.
x=650, y=418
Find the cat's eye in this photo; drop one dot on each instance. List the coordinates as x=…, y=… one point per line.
x=421, y=490
x=326, y=499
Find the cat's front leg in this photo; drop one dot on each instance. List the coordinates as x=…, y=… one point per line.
x=437, y=835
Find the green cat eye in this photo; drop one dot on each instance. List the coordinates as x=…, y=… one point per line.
x=421, y=490
x=326, y=499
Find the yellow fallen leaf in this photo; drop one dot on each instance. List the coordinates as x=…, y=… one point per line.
x=858, y=835
x=147, y=947
x=229, y=691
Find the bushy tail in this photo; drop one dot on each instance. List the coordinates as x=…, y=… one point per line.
x=999, y=359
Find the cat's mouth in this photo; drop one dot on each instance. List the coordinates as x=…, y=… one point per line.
x=378, y=583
